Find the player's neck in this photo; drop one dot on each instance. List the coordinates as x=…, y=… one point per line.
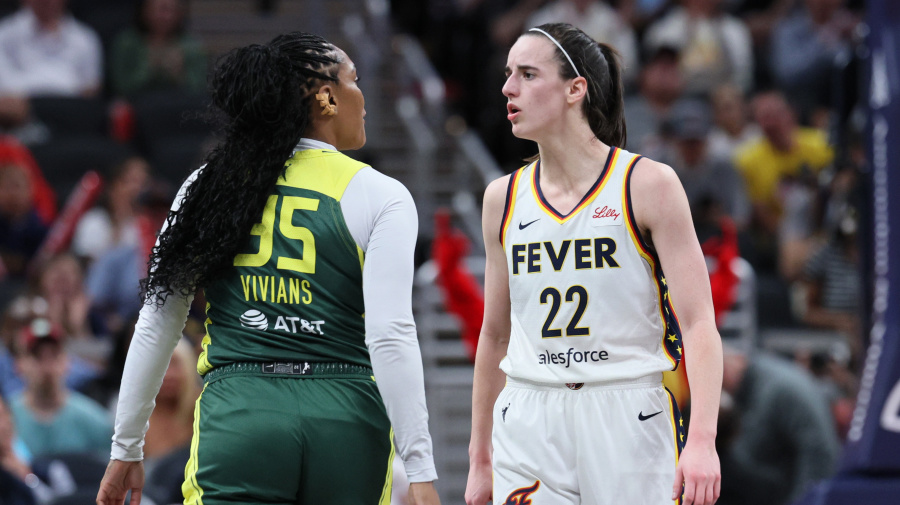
x=572, y=162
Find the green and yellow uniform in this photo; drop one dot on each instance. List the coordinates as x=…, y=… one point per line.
x=289, y=397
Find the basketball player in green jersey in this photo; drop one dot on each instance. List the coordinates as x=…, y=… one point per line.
x=305, y=258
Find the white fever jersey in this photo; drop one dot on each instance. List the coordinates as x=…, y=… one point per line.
x=588, y=296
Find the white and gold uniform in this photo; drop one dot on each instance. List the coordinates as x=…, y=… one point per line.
x=592, y=330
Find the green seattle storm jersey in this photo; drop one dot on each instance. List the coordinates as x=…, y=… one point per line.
x=294, y=292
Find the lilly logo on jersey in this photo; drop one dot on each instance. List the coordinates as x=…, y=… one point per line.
x=605, y=216
x=256, y=320
x=522, y=496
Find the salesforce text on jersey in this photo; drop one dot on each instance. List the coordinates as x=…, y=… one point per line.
x=566, y=358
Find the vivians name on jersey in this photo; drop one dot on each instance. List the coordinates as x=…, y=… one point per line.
x=572, y=355
x=272, y=289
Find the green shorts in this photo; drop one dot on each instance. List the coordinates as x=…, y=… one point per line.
x=292, y=434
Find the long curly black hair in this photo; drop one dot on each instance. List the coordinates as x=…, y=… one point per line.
x=264, y=94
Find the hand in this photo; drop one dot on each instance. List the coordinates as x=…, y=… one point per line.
x=121, y=477
x=423, y=493
x=698, y=469
x=480, y=484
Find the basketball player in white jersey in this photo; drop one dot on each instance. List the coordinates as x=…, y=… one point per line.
x=591, y=253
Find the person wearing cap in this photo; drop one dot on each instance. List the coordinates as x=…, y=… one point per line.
x=708, y=179
x=590, y=254
x=49, y=417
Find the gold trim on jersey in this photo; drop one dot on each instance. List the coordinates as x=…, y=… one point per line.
x=650, y=258
x=203, y=364
x=675, y=435
x=544, y=205
x=511, y=192
x=193, y=493
x=323, y=171
x=389, y=479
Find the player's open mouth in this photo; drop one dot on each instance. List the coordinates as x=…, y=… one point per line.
x=512, y=111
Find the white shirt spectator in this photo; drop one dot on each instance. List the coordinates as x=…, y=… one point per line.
x=34, y=62
x=601, y=22
x=712, y=49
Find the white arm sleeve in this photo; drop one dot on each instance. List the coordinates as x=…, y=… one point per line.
x=381, y=216
x=155, y=336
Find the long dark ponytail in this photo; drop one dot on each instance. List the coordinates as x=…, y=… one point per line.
x=264, y=95
x=600, y=65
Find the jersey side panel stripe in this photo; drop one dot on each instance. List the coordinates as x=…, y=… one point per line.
x=193, y=493
x=511, y=192
x=675, y=421
x=669, y=346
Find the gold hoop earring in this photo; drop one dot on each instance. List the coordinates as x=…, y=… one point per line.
x=327, y=108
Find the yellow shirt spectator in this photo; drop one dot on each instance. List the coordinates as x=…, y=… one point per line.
x=764, y=167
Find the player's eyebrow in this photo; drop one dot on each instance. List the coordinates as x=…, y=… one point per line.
x=520, y=68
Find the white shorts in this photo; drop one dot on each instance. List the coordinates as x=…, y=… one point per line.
x=597, y=444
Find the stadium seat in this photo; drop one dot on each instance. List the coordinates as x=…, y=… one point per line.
x=66, y=160
x=72, y=115
x=170, y=131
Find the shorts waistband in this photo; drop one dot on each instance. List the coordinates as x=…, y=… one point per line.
x=647, y=381
x=289, y=369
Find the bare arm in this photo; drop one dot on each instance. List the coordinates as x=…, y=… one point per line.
x=662, y=212
x=492, y=346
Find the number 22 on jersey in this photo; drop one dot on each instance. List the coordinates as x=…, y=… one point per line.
x=265, y=230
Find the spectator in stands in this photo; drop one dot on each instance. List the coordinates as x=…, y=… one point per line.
x=14, y=456
x=61, y=285
x=777, y=169
x=171, y=423
x=21, y=229
x=732, y=126
x=703, y=174
x=167, y=443
x=13, y=467
x=49, y=416
x=600, y=21
x=804, y=47
x=113, y=281
x=660, y=86
x=831, y=283
x=113, y=222
x=715, y=47
x=786, y=438
x=157, y=53
x=45, y=52
x=14, y=153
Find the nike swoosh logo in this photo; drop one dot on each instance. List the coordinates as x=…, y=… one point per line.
x=642, y=417
x=523, y=226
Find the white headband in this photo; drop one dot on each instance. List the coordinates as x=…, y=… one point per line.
x=564, y=54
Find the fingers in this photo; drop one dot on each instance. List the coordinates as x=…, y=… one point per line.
x=135, y=497
x=109, y=497
x=690, y=492
x=679, y=479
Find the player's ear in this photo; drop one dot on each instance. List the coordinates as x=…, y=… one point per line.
x=577, y=90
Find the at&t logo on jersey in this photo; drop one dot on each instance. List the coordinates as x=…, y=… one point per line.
x=255, y=319
x=522, y=496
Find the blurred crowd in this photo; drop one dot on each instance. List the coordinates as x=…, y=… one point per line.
x=96, y=134
x=752, y=102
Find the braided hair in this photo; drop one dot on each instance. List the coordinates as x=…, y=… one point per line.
x=263, y=92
